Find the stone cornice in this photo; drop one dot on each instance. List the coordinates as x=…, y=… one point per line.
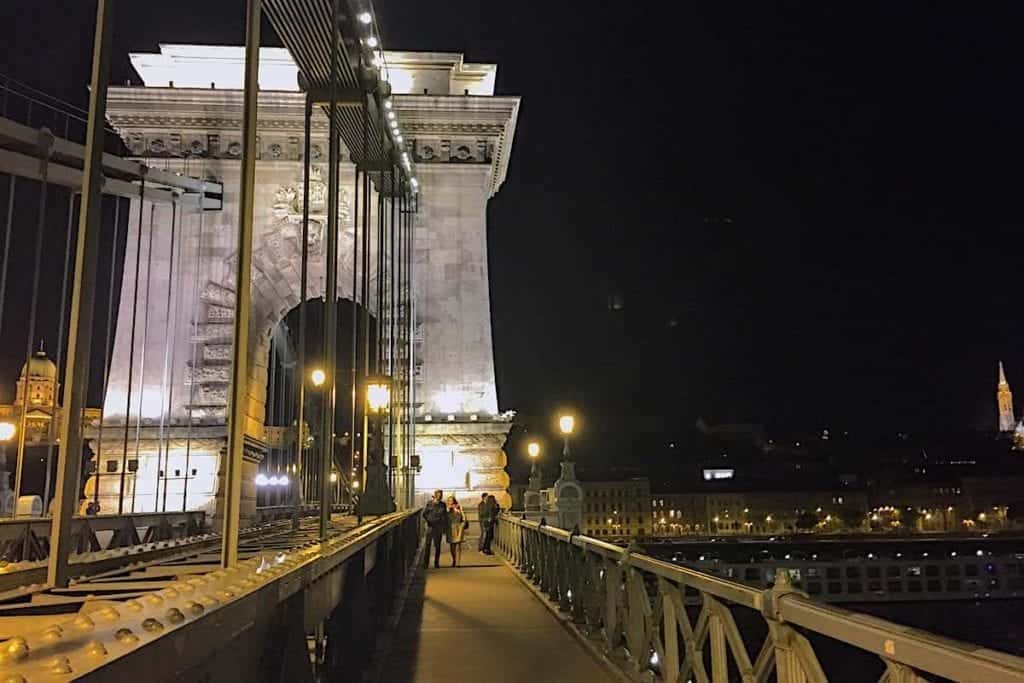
x=171, y=122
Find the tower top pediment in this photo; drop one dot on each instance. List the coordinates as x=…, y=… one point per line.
x=190, y=92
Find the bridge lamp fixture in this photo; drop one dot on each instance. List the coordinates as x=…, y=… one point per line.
x=388, y=104
x=415, y=183
x=334, y=477
x=261, y=479
x=377, y=60
x=566, y=423
x=378, y=393
x=365, y=17
x=391, y=116
x=533, y=449
x=372, y=42
x=7, y=431
x=318, y=377
x=398, y=138
x=355, y=485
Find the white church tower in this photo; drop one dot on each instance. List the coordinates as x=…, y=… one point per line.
x=1004, y=398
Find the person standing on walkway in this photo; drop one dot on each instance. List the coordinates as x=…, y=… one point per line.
x=456, y=530
x=491, y=511
x=481, y=519
x=435, y=514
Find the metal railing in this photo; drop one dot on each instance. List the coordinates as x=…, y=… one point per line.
x=265, y=606
x=636, y=606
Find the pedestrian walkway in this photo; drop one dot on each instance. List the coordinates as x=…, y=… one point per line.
x=479, y=622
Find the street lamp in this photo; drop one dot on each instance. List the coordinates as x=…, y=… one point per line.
x=376, y=498
x=318, y=377
x=566, y=424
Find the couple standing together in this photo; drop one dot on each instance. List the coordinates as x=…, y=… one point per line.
x=447, y=519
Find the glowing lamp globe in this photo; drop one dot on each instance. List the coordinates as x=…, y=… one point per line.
x=533, y=449
x=318, y=377
x=566, y=423
x=7, y=431
x=378, y=393
x=261, y=479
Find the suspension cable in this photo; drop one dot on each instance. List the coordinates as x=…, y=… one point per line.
x=197, y=295
x=131, y=342
x=40, y=228
x=51, y=437
x=142, y=359
x=170, y=349
x=106, y=348
x=7, y=247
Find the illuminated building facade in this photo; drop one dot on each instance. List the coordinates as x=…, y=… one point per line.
x=617, y=509
x=1004, y=400
x=187, y=118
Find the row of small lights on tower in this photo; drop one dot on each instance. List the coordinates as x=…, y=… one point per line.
x=372, y=43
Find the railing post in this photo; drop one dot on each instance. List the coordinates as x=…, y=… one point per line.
x=612, y=588
x=795, y=660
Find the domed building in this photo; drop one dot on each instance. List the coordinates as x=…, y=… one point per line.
x=36, y=394
x=39, y=379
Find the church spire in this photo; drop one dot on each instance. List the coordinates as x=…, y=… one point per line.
x=1004, y=400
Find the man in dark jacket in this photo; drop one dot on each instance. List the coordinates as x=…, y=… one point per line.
x=481, y=518
x=491, y=512
x=435, y=513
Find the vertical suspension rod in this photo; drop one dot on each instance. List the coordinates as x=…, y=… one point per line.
x=331, y=290
x=80, y=317
x=45, y=148
x=51, y=432
x=300, y=376
x=106, y=348
x=232, y=500
x=131, y=344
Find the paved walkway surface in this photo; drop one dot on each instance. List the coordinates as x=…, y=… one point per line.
x=478, y=622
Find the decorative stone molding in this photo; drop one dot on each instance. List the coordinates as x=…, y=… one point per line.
x=212, y=374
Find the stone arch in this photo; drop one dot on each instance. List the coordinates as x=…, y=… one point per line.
x=276, y=278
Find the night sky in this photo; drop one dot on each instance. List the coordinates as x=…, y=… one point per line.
x=809, y=214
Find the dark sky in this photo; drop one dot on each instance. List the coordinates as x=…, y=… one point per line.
x=810, y=212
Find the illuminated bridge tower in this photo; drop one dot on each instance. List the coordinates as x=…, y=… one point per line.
x=187, y=118
x=1004, y=398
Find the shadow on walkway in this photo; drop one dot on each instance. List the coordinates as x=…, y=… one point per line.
x=479, y=622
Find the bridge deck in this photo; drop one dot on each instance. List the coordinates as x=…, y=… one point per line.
x=479, y=622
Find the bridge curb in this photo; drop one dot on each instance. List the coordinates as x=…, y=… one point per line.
x=375, y=671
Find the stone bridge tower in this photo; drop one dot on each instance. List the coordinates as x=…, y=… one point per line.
x=187, y=118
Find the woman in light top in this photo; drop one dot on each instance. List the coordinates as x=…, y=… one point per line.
x=456, y=530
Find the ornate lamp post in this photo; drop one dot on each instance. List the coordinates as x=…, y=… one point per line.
x=376, y=498
x=566, y=423
x=531, y=499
